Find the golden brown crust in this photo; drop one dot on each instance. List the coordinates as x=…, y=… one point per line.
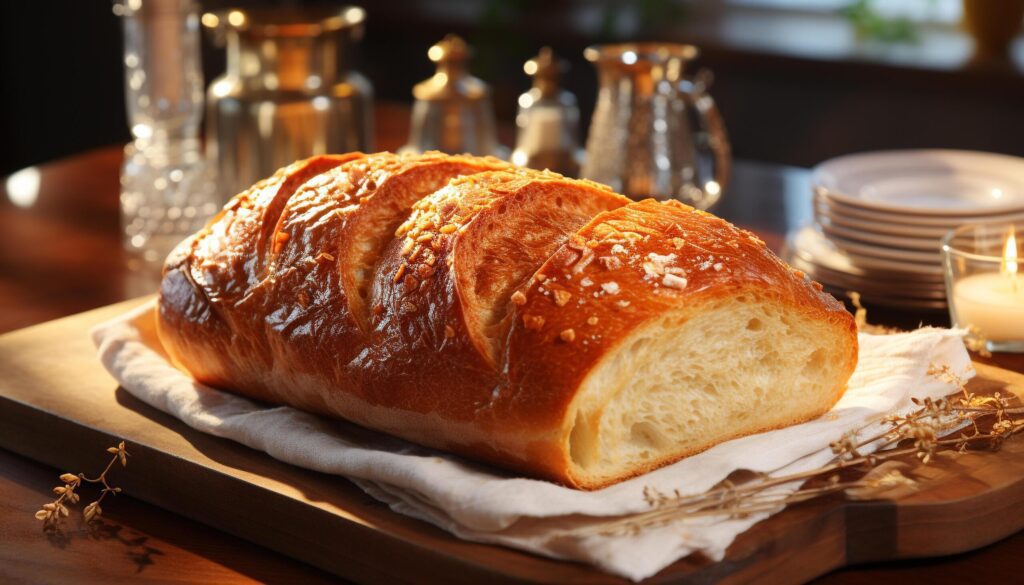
x=276, y=297
x=210, y=271
x=310, y=290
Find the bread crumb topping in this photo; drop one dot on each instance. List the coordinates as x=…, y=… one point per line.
x=656, y=264
x=534, y=322
x=610, y=262
x=561, y=297
x=674, y=281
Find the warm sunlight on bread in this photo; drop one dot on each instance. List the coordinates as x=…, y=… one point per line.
x=541, y=324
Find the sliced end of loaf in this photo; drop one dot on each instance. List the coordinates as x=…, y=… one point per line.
x=701, y=375
x=659, y=331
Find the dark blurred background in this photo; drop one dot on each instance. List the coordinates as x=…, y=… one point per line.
x=797, y=81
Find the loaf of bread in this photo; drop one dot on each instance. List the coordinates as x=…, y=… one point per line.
x=541, y=324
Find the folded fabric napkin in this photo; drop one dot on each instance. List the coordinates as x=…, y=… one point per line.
x=480, y=504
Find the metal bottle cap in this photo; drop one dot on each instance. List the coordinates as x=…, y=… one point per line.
x=546, y=71
x=452, y=79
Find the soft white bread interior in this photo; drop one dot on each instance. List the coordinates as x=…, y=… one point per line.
x=700, y=375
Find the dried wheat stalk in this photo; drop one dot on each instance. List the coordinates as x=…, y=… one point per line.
x=54, y=512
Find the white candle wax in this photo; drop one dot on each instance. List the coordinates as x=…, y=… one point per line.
x=991, y=303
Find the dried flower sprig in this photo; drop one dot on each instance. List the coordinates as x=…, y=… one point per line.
x=52, y=513
x=921, y=434
x=976, y=342
x=860, y=317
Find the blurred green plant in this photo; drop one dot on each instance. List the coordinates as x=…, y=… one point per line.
x=495, y=36
x=649, y=14
x=869, y=24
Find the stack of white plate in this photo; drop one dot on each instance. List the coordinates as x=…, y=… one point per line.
x=879, y=219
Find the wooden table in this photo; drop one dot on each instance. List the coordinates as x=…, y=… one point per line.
x=60, y=253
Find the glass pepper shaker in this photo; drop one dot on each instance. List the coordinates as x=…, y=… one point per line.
x=453, y=111
x=548, y=119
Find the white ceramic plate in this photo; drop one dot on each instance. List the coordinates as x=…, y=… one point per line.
x=925, y=182
x=810, y=244
x=907, y=289
x=837, y=232
x=847, y=282
x=896, y=224
x=837, y=207
x=824, y=214
x=900, y=303
x=857, y=250
x=873, y=295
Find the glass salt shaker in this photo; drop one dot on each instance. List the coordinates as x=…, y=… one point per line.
x=548, y=119
x=166, y=191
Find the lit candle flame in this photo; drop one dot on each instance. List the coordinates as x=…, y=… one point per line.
x=1009, y=267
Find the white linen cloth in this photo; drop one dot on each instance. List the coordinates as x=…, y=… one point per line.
x=480, y=504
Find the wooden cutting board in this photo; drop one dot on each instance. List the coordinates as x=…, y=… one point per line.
x=59, y=406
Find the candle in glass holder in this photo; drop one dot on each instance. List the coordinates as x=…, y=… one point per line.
x=993, y=302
